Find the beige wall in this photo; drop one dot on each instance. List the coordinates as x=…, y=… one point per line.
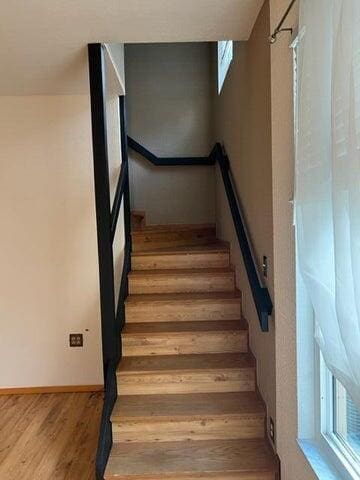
x=49, y=267
x=242, y=115
x=48, y=256
x=294, y=465
x=168, y=104
x=55, y=62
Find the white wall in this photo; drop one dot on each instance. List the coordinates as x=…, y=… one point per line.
x=169, y=107
x=48, y=256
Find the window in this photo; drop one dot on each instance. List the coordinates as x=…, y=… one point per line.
x=225, y=56
x=346, y=420
x=339, y=424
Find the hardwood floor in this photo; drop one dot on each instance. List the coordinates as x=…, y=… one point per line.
x=49, y=436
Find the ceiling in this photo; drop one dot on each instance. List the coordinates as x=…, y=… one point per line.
x=43, y=42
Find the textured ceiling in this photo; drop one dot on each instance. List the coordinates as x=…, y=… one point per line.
x=43, y=42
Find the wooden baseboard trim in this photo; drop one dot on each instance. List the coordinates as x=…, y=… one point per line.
x=52, y=389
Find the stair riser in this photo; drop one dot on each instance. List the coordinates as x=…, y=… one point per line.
x=191, y=283
x=183, y=311
x=187, y=382
x=144, y=242
x=224, y=428
x=194, y=260
x=185, y=343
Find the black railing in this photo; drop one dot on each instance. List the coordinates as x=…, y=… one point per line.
x=167, y=161
x=112, y=318
x=259, y=291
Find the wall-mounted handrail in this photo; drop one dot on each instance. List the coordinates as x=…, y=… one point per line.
x=167, y=161
x=259, y=291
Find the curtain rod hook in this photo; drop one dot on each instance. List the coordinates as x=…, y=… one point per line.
x=273, y=37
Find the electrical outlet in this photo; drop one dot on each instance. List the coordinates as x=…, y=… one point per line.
x=272, y=430
x=265, y=266
x=76, y=340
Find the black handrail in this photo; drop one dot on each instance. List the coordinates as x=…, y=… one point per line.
x=111, y=321
x=259, y=291
x=167, y=161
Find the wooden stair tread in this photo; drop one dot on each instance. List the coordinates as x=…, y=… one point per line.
x=180, y=338
x=179, y=256
x=191, y=459
x=163, y=236
x=181, y=272
x=181, y=327
x=183, y=297
x=182, y=307
x=181, y=280
x=188, y=406
x=214, y=247
x=191, y=362
x=176, y=227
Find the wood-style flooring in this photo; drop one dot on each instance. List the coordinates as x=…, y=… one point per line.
x=49, y=436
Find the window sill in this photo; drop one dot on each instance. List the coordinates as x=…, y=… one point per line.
x=318, y=460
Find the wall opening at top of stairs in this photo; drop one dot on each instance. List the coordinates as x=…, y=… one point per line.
x=169, y=100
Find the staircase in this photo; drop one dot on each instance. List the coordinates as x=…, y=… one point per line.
x=187, y=405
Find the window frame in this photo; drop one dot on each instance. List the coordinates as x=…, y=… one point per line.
x=225, y=54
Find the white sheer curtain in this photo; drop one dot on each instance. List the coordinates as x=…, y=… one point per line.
x=327, y=178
